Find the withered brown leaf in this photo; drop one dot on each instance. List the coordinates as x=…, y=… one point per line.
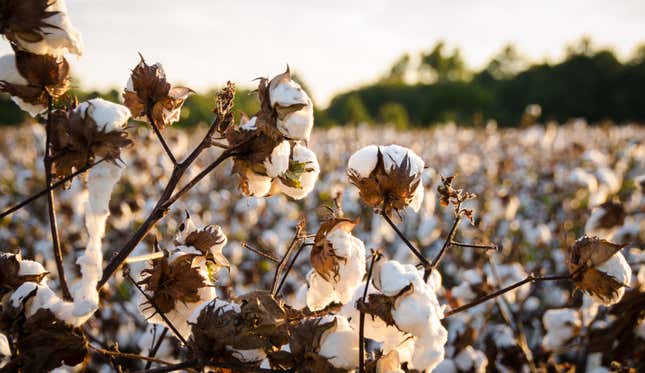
x=24, y=19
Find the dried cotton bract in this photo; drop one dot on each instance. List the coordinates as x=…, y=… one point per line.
x=39, y=26
x=338, y=259
x=148, y=93
x=599, y=269
x=387, y=177
x=31, y=78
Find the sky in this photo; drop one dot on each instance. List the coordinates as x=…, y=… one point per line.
x=333, y=45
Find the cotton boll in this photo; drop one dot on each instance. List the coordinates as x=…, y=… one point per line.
x=5, y=350
x=340, y=345
x=298, y=125
x=249, y=125
x=258, y=185
x=107, y=115
x=248, y=356
x=59, y=35
x=428, y=353
x=10, y=74
x=320, y=293
x=363, y=161
x=352, y=268
x=393, y=156
x=561, y=325
x=618, y=268
x=446, y=366
x=412, y=311
x=30, y=268
x=308, y=178
x=391, y=277
x=287, y=93
x=278, y=162
x=470, y=359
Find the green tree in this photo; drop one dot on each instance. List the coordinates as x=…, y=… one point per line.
x=395, y=114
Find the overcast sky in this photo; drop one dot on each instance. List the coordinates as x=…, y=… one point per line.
x=334, y=45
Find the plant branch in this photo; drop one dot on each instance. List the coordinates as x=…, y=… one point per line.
x=126, y=355
x=163, y=142
x=259, y=252
x=361, y=326
x=54, y=186
x=53, y=225
x=442, y=252
x=499, y=292
x=286, y=272
x=155, y=348
x=294, y=242
x=171, y=368
x=475, y=245
x=415, y=251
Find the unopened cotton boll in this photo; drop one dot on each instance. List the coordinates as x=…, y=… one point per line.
x=9, y=73
x=307, y=171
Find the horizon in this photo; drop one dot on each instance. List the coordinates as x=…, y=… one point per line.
x=343, y=32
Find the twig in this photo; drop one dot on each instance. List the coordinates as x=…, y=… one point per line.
x=442, y=252
x=163, y=142
x=497, y=293
x=294, y=242
x=54, y=186
x=259, y=252
x=142, y=258
x=475, y=245
x=155, y=348
x=171, y=368
x=361, y=326
x=286, y=272
x=126, y=355
x=53, y=225
x=167, y=198
x=172, y=327
x=415, y=251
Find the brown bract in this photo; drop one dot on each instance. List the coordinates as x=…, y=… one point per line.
x=77, y=141
x=391, y=189
x=260, y=324
x=45, y=75
x=613, y=215
x=584, y=256
x=24, y=19
x=172, y=282
x=9, y=277
x=203, y=240
x=152, y=94
x=323, y=257
x=44, y=343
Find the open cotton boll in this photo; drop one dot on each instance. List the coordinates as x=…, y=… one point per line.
x=288, y=93
x=352, y=268
x=107, y=115
x=59, y=35
x=340, y=345
x=391, y=277
x=10, y=74
x=446, y=366
x=393, y=156
x=258, y=185
x=428, y=352
x=298, y=124
x=363, y=161
x=5, y=350
x=307, y=178
x=320, y=292
x=248, y=356
x=30, y=268
x=618, y=268
x=561, y=325
x=278, y=161
x=471, y=360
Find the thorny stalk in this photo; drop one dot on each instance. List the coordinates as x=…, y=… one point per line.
x=167, y=198
x=297, y=240
x=53, y=225
x=361, y=326
x=487, y=297
x=126, y=273
x=53, y=186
